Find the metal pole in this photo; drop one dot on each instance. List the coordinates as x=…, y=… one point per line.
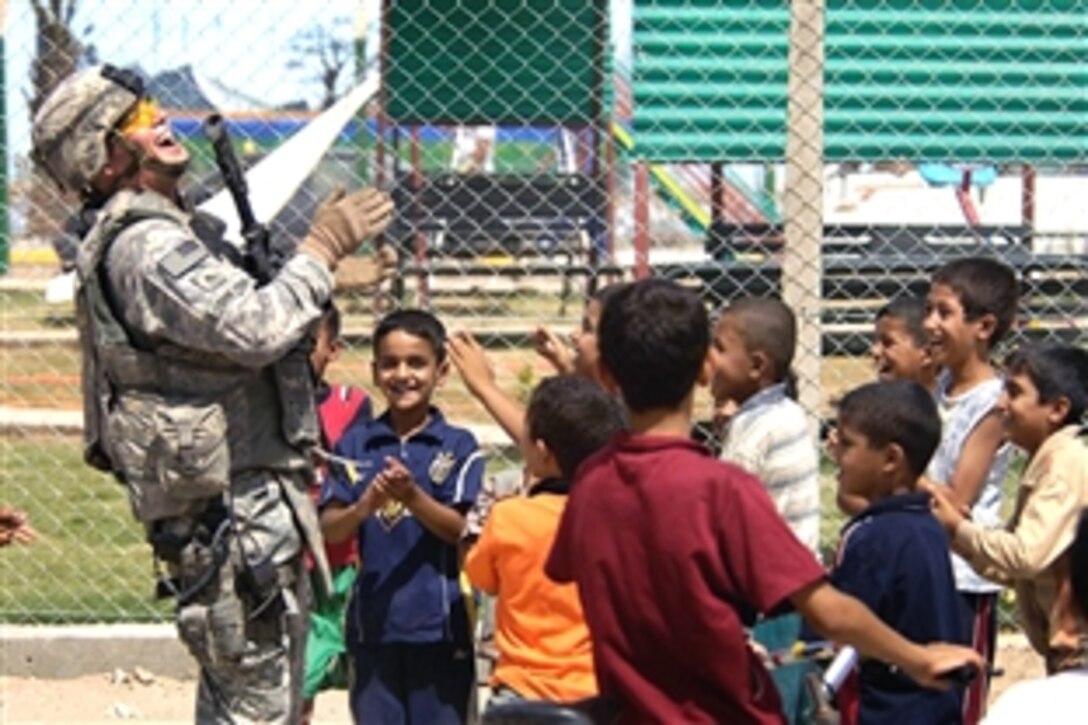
x=716, y=204
x=801, y=264
x=610, y=199
x=383, y=60
x=642, y=220
x=1027, y=205
x=417, y=220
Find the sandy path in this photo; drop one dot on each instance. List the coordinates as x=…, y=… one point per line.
x=97, y=698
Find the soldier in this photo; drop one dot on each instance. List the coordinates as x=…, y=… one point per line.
x=184, y=399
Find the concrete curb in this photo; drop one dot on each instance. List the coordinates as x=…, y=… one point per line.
x=62, y=652
x=19, y=420
x=68, y=651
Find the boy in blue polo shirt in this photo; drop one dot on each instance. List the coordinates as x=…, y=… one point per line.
x=415, y=477
x=892, y=555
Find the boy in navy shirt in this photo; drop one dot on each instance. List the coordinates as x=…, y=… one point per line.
x=893, y=554
x=415, y=476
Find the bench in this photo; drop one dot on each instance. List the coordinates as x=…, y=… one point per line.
x=469, y=215
x=865, y=266
x=510, y=225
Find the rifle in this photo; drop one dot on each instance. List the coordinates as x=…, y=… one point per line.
x=261, y=261
x=293, y=372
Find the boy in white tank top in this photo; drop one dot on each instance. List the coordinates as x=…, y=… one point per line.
x=971, y=305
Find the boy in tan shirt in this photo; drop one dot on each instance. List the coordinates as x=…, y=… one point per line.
x=1046, y=393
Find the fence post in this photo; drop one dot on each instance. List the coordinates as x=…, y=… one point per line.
x=801, y=266
x=642, y=219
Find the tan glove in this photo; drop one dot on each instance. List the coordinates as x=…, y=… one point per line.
x=343, y=222
x=360, y=272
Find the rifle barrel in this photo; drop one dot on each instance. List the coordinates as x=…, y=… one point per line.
x=229, y=168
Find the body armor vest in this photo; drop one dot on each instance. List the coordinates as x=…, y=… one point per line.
x=174, y=426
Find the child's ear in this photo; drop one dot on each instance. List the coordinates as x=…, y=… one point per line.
x=761, y=364
x=544, y=454
x=607, y=381
x=442, y=372
x=1059, y=411
x=986, y=326
x=335, y=348
x=894, y=458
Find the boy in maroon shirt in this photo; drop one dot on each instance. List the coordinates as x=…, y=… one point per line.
x=675, y=552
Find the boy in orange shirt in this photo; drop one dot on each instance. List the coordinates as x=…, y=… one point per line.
x=544, y=646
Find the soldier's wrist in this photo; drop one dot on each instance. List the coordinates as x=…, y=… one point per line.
x=314, y=248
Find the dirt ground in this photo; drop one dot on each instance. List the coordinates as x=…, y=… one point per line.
x=100, y=698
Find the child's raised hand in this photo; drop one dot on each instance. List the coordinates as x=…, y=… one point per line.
x=471, y=362
x=550, y=347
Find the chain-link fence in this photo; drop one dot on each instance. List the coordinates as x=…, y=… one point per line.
x=834, y=153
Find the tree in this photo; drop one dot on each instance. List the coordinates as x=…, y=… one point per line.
x=324, y=51
x=57, y=54
x=57, y=51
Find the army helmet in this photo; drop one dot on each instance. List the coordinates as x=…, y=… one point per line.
x=73, y=124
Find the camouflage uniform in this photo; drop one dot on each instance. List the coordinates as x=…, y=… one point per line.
x=180, y=295
x=183, y=404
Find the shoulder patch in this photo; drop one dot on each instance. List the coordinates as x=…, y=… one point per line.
x=187, y=255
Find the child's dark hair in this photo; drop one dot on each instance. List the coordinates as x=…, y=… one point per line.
x=330, y=319
x=911, y=311
x=1057, y=371
x=1078, y=565
x=653, y=338
x=900, y=412
x=417, y=323
x=984, y=286
x=574, y=417
x=767, y=325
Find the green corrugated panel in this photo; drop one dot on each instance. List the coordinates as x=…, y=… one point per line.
x=480, y=61
x=966, y=80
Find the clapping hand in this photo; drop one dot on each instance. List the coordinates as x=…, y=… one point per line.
x=395, y=482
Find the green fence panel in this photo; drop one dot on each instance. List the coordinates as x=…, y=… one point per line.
x=481, y=62
x=970, y=81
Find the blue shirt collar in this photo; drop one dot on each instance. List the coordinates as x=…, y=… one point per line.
x=916, y=501
x=436, y=428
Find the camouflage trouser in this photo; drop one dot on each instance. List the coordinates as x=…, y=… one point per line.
x=249, y=641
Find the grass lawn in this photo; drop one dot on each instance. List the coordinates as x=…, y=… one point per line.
x=90, y=563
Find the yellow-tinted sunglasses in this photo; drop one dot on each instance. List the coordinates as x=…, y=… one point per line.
x=142, y=116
